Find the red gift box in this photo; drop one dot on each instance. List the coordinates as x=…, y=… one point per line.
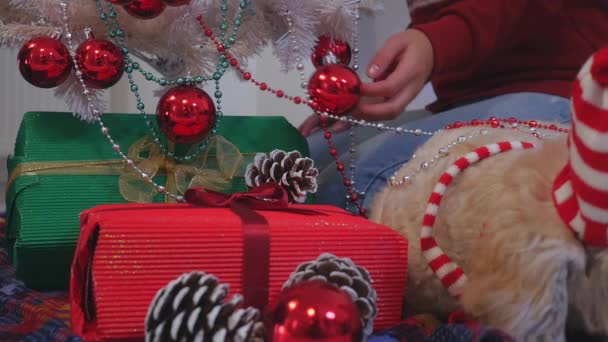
x=126, y=253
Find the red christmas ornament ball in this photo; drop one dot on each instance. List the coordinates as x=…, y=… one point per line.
x=315, y=311
x=186, y=114
x=145, y=9
x=176, y=2
x=119, y=2
x=335, y=88
x=101, y=63
x=44, y=62
x=325, y=44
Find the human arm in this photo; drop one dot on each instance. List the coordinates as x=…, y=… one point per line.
x=458, y=39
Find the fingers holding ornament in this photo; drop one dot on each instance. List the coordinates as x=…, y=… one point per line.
x=334, y=88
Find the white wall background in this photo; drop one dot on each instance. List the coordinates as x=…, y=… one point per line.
x=240, y=98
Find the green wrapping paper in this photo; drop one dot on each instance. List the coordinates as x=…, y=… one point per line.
x=43, y=209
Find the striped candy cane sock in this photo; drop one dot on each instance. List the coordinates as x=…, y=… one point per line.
x=451, y=275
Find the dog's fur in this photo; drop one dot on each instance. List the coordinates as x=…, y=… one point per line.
x=527, y=273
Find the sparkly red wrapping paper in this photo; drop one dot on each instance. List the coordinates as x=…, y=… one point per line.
x=126, y=253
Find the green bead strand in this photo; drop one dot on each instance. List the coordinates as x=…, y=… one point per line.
x=118, y=36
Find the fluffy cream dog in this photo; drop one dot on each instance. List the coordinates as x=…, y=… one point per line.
x=502, y=220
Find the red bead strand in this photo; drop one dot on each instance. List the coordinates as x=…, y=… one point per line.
x=295, y=99
x=245, y=74
x=493, y=122
x=507, y=123
x=340, y=167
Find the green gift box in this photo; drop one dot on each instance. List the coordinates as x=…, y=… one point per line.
x=63, y=166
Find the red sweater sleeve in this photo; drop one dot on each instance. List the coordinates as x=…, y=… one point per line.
x=465, y=33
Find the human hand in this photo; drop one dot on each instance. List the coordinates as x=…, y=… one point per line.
x=312, y=124
x=400, y=70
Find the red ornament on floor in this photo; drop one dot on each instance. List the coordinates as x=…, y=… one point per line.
x=100, y=61
x=186, y=114
x=325, y=44
x=44, y=62
x=145, y=9
x=335, y=88
x=315, y=311
x=176, y=2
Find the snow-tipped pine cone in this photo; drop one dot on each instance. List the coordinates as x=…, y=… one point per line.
x=192, y=308
x=342, y=272
x=295, y=173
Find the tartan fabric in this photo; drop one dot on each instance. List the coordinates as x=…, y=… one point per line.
x=27, y=315
x=425, y=328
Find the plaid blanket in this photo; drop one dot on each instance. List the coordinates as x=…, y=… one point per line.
x=426, y=328
x=27, y=315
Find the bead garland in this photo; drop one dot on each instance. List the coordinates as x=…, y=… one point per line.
x=294, y=47
x=352, y=195
x=494, y=123
x=352, y=131
x=104, y=129
x=118, y=35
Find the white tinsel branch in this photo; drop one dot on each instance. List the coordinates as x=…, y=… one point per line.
x=174, y=44
x=71, y=92
x=335, y=18
x=338, y=17
x=300, y=39
x=15, y=35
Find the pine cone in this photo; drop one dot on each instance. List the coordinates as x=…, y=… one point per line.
x=342, y=272
x=192, y=307
x=295, y=173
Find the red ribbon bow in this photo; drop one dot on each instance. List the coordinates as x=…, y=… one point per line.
x=256, y=232
x=269, y=196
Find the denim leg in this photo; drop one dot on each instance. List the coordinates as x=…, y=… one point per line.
x=318, y=144
x=381, y=155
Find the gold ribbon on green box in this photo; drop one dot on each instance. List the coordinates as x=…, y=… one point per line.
x=213, y=169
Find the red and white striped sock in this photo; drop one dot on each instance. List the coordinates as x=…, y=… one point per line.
x=580, y=191
x=451, y=275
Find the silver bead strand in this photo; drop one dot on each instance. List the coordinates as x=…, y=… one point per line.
x=395, y=180
x=352, y=150
x=104, y=129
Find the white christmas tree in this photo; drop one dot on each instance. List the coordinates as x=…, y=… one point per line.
x=174, y=44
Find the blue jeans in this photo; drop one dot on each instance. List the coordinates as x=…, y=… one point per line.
x=379, y=154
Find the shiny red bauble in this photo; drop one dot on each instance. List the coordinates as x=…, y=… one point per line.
x=176, y=2
x=335, y=88
x=145, y=9
x=44, y=62
x=315, y=311
x=186, y=114
x=101, y=63
x=340, y=49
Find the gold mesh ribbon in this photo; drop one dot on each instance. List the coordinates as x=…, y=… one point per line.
x=213, y=169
